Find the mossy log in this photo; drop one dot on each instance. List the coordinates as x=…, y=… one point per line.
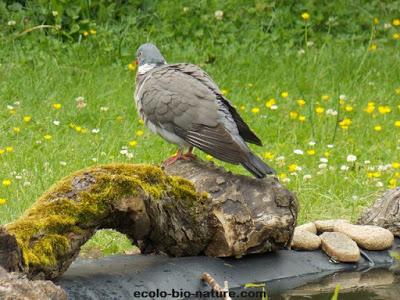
x=385, y=212
x=214, y=213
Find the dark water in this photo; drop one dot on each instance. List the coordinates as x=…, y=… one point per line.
x=376, y=284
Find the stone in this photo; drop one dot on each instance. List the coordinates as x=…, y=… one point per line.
x=310, y=227
x=305, y=240
x=340, y=247
x=15, y=286
x=369, y=237
x=327, y=225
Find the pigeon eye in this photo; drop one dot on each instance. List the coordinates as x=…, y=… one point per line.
x=140, y=53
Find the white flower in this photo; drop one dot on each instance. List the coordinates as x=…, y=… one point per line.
x=310, y=44
x=124, y=151
x=351, y=158
x=331, y=112
x=129, y=155
x=342, y=97
x=94, y=159
x=104, y=108
x=95, y=130
x=56, y=122
x=298, y=151
x=27, y=183
x=185, y=9
x=387, y=25
x=55, y=13
x=11, y=23
x=17, y=103
x=330, y=146
x=274, y=107
x=301, y=52
x=18, y=177
x=322, y=166
x=286, y=179
x=307, y=177
x=279, y=158
x=312, y=143
x=344, y=167
x=323, y=160
x=219, y=14
x=63, y=163
x=10, y=107
x=367, y=162
x=354, y=197
x=379, y=184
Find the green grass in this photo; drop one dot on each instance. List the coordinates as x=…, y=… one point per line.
x=35, y=76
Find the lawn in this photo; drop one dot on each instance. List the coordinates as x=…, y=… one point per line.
x=328, y=113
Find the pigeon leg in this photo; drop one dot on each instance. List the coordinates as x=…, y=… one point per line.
x=173, y=158
x=189, y=155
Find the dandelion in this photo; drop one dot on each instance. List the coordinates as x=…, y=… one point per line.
x=16, y=129
x=93, y=31
x=311, y=152
x=47, y=137
x=27, y=119
x=132, y=66
x=9, y=149
x=395, y=165
x=384, y=109
x=3, y=201
x=268, y=155
x=396, y=36
x=293, y=168
x=6, y=182
x=255, y=110
x=133, y=143
x=348, y=108
x=375, y=21
x=378, y=128
x=396, y=22
x=305, y=16
x=351, y=158
x=374, y=174
x=302, y=118
x=85, y=33
x=325, y=97
x=345, y=123
x=327, y=154
x=370, y=107
x=392, y=183
x=373, y=47
x=319, y=110
x=2, y=151
x=139, y=132
x=293, y=115
x=119, y=119
x=301, y=102
x=284, y=94
x=271, y=102
x=224, y=92
x=56, y=105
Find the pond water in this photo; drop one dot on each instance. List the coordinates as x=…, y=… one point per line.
x=375, y=284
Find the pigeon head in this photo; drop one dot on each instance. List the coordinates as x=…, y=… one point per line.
x=149, y=54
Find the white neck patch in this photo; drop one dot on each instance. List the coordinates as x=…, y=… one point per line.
x=145, y=68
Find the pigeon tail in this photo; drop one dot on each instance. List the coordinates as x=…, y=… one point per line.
x=256, y=166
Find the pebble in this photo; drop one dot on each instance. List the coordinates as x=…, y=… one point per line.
x=305, y=240
x=327, y=225
x=340, y=247
x=310, y=227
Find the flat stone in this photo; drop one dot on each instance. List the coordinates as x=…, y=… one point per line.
x=305, y=240
x=369, y=237
x=340, y=247
x=310, y=227
x=327, y=225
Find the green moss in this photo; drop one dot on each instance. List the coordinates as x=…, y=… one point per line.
x=83, y=200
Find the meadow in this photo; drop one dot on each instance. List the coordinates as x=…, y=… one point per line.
x=326, y=105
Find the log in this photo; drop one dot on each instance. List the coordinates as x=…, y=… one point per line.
x=385, y=212
x=211, y=212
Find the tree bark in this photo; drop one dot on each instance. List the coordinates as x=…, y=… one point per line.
x=385, y=212
x=214, y=213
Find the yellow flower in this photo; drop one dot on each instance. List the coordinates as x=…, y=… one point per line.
x=348, y=108
x=224, y=92
x=9, y=149
x=2, y=201
x=284, y=94
x=133, y=143
x=6, y=182
x=209, y=157
x=27, y=119
x=85, y=34
x=271, y=102
x=325, y=97
x=397, y=91
x=375, y=21
x=345, y=123
x=397, y=123
x=327, y=154
x=396, y=22
x=255, y=110
x=17, y=130
x=374, y=174
x=78, y=128
x=282, y=176
x=93, y=31
x=119, y=119
x=293, y=115
x=292, y=168
x=132, y=66
x=396, y=36
x=384, y=109
x=378, y=128
x=305, y=16
x=56, y=105
x=311, y=152
x=47, y=137
x=141, y=122
x=302, y=118
x=373, y=47
x=393, y=183
x=370, y=107
x=139, y=132
x=301, y=102
x=1, y=151
x=319, y=110
x=395, y=165
x=268, y=155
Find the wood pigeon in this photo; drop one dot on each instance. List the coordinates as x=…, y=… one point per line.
x=182, y=104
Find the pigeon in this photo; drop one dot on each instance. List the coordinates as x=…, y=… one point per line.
x=181, y=103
